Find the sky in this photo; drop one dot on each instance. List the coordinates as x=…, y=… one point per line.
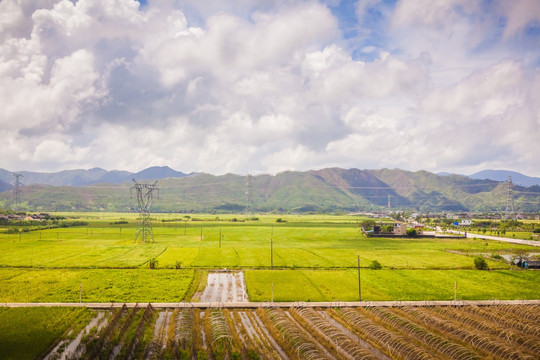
x=271, y=85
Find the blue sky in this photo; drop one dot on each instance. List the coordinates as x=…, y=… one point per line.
x=270, y=85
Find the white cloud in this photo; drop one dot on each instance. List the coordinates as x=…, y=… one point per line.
x=520, y=14
x=266, y=86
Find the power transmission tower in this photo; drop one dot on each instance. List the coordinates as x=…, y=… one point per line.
x=145, y=194
x=509, y=213
x=17, y=191
x=249, y=195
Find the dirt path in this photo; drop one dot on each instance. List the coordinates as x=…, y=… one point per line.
x=225, y=287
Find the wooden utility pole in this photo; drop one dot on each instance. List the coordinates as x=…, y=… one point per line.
x=220, y=237
x=359, y=281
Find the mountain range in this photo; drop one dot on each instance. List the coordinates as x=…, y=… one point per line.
x=93, y=176
x=326, y=190
x=502, y=175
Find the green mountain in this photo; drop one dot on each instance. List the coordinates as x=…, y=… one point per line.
x=325, y=190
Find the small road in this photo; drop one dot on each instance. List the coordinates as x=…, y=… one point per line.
x=251, y=305
x=496, y=238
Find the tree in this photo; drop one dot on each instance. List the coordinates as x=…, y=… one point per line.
x=375, y=265
x=367, y=224
x=411, y=232
x=480, y=263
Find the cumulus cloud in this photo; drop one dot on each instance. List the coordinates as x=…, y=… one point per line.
x=266, y=86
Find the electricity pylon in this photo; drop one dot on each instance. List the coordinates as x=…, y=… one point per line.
x=509, y=212
x=145, y=194
x=17, y=191
x=249, y=196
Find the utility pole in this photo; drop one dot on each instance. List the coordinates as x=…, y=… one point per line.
x=145, y=194
x=389, y=201
x=17, y=191
x=220, y=238
x=359, y=281
x=509, y=213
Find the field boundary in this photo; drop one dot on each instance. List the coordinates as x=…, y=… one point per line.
x=255, y=305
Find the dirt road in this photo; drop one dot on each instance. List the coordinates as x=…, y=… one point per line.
x=225, y=287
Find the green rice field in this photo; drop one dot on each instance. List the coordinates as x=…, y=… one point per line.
x=101, y=262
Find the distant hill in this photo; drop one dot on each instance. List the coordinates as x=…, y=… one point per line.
x=90, y=177
x=502, y=175
x=4, y=186
x=325, y=190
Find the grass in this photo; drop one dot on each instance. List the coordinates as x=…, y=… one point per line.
x=98, y=285
x=378, y=285
x=50, y=265
x=26, y=332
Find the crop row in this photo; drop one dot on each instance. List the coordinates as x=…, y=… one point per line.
x=468, y=332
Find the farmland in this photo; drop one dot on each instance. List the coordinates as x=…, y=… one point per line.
x=93, y=258
x=100, y=262
x=143, y=332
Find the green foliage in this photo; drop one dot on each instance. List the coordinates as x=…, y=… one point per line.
x=312, y=191
x=411, y=232
x=26, y=332
x=375, y=265
x=153, y=263
x=367, y=224
x=178, y=264
x=280, y=220
x=480, y=263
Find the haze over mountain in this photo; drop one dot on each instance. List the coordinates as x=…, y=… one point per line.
x=325, y=190
x=502, y=175
x=92, y=176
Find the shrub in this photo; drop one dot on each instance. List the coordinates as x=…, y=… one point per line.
x=375, y=265
x=480, y=263
x=280, y=220
x=178, y=264
x=411, y=232
x=153, y=263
